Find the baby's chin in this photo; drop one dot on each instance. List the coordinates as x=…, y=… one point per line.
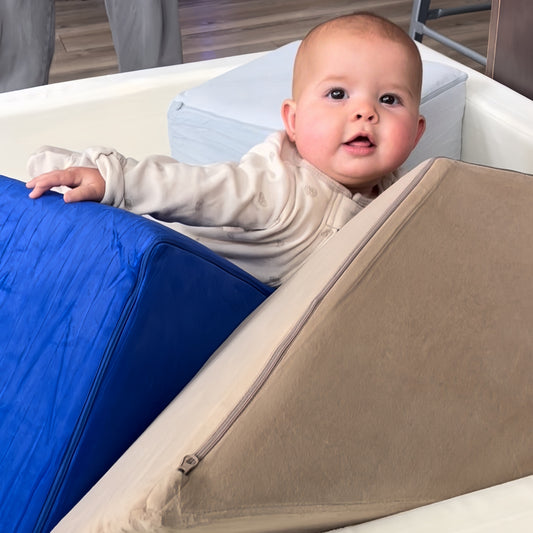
x=362, y=184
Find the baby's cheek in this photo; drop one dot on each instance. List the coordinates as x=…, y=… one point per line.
x=310, y=142
x=406, y=137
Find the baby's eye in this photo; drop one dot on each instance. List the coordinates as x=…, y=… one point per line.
x=337, y=94
x=389, y=99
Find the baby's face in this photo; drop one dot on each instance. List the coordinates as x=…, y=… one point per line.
x=355, y=111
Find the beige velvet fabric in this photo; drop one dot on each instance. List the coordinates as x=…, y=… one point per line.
x=411, y=382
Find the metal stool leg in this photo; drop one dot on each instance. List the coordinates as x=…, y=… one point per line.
x=419, y=15
x=422, y=13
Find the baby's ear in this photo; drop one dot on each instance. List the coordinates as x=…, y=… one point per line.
x=288, y=115
x=421, y=128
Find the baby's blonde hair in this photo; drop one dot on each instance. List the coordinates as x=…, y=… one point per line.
x=361, y=23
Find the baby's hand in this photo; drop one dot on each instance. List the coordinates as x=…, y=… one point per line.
x=85, y=183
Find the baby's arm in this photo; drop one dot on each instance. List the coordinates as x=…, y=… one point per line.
x=85, y=184
x=224, y=194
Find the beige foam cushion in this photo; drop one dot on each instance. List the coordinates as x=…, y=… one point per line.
x=411, y=381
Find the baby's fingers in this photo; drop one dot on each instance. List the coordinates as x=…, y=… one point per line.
x=47, y=181
x=85, y=184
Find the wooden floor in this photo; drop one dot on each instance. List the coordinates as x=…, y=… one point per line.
x=219, y=28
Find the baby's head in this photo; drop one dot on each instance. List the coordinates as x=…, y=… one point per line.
x=354, y=112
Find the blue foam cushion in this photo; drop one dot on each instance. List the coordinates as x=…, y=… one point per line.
x=105, y=316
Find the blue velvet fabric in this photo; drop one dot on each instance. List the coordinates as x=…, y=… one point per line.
x=104, y=317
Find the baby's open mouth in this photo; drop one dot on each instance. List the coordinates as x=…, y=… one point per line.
x=361, y=140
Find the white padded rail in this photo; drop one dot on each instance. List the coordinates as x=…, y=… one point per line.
x=126, y=111
x=498, y=122
x=503, y=508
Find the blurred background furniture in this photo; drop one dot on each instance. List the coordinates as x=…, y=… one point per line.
x=212, y=29
x=509, y=58
x=422, y=12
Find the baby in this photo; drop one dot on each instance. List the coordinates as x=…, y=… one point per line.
x=352, y=121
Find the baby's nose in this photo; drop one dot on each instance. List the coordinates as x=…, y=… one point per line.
x=366, y=113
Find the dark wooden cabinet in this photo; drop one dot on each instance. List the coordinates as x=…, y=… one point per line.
x=510, y=46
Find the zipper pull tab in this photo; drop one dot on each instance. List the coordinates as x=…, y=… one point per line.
x=189, y=463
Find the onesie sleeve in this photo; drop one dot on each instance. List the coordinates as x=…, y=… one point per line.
x=248, y=194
